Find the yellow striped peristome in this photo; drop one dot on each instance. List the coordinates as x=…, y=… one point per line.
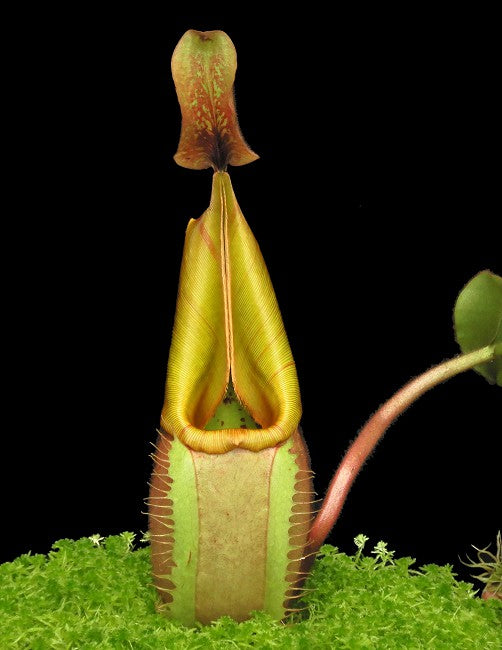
x=231, y=490
x=228, y=326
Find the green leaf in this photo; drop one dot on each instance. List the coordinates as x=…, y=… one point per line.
x=478, y=321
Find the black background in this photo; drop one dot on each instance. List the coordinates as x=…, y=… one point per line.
x=376, y=196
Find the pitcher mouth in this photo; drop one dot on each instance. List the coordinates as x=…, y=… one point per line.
x=228, y=329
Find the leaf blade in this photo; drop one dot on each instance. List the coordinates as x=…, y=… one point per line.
x=478, y=321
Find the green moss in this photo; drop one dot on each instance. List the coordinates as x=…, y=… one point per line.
x=98, y=594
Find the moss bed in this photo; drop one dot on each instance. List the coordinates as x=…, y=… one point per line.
x=97, y=593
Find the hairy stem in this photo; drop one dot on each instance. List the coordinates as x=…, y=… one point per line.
x=374, y=430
